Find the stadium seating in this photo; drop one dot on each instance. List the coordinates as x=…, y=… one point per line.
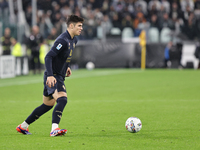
x=153, y=35
x=115, y=31
x=99, y=32
x=165, y=35
x=127, y=33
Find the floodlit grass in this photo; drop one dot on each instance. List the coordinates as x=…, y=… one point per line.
x=99, y=102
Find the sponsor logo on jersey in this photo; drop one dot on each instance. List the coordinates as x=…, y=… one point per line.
x=58, y=47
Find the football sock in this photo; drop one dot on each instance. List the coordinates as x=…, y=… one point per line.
x=24, y=125
x=39, y=111
x=58, y=110
x=54, y=126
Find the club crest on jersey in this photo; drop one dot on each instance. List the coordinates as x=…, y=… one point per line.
x=58, y=47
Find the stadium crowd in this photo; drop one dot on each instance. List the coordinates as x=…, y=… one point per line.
x=181, y=16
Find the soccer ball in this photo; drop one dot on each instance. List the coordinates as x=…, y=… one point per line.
x=133, y=124
x=90, y=65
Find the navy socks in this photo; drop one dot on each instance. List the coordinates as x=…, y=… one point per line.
x=39, y=111
x=42, y=109
x=58, y=110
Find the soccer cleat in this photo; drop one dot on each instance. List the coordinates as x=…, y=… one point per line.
x=58, y=132
x=21, y=130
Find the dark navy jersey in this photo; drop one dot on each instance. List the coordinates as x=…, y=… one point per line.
x=58, y=58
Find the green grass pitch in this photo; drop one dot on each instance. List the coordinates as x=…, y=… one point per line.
x=99, y=102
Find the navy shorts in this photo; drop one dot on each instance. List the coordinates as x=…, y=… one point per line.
x=60, y=86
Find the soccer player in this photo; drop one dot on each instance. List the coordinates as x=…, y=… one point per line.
x=57, y=68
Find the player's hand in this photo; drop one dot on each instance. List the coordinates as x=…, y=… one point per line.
x=51, y=81
x=69, y=72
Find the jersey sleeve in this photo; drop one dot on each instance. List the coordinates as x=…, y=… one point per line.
x=58, y=46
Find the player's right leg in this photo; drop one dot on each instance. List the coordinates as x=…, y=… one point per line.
x=61, y=98
x=37, y=112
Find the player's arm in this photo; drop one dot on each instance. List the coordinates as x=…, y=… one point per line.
x=55, y=50
x=69, y=72
x=51, y=81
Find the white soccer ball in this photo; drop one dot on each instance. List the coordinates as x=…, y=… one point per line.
x=133, y=124
x=90, y=65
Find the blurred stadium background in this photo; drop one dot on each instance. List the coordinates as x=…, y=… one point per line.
x=116, y=32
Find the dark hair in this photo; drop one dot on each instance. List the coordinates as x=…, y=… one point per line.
x=74, y=19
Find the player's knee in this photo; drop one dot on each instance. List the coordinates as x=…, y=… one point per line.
x=62, y=100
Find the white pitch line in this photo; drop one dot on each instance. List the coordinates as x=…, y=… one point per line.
x=20, y=82
x=84, y=75
x=100, y=73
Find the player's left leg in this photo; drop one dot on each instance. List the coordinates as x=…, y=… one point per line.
x=37, y=112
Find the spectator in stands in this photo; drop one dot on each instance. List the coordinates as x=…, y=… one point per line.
x=106, y=24
x=66, y=11
x=44, y=5
x=16, y=48
x=77, y=11
x=51, y=37
x=186, y=14
x=90, y=28
x=118, y=5
x=165, y=21
x=139, y=19
x=154, y=22
x=81, y=3
x=105, y=6
x=154, y=3
x=55, y=12
x=6, y=42
x=28, y=15
x=143, y=5
x=129, y=8
x=166, y=5
x=161, y=12
x=34, y=42
x=175, y=13
x=187, y=3
x=91, y=19
x=86, y=11
x=72, y=5
x=176, y=16
x=62, y=2
x=95, y=3
x=167, y=55
x=197, y=5
x=116, y=10
x=127, y=22
x=58, y=22
x=116, y=22
x=138, y=9
x=98, y=15
x=153, y=10
x=190, y=29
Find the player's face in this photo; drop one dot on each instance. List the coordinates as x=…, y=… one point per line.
x=78, y=27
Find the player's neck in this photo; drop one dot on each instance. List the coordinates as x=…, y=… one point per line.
x=70, y=33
